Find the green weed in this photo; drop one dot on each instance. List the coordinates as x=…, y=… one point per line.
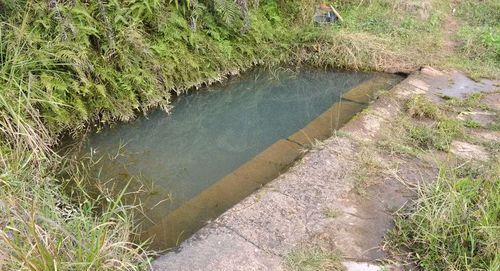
x=478, y=38
x=422, y=136
x=419, y=107
x=367, y=169
x=454, y=223
x=46, y=228
x=313, y=259
x=472, y=124
x=331, y=213
x=471, y=102
x=438, y=135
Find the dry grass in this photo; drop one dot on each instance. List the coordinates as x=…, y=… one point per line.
x=369, y=167
x=348, y=50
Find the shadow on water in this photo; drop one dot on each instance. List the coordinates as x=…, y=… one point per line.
x=221, y=144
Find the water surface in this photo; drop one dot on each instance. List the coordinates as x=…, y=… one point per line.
x=210, y=133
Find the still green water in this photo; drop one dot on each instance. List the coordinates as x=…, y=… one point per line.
x=210, y=133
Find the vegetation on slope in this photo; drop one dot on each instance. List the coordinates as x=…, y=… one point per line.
x=478, y=38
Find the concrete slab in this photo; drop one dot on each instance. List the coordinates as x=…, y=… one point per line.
x=362, y=266
x=492, y=101
x=218, y=249
x=469, y=151
x=456, y=84
x=363, y=93
x=273, y=221
x=323, y=126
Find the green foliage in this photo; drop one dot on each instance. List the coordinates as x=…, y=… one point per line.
x=229, y=13
x=45, y=228
x=454, y=223
x=313, y=259
x=438, y=135
x=422, y=136
x=472, y=124
x=418, y=106
x=479, y=37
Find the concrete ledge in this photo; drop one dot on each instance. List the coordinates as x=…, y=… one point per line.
x=216, y=252
x=277, y=221
x=219, y=197
x=363, y=93
x=313, y=205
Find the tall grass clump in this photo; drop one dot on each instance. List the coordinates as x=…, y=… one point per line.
x=455, y=223
x=46, y=224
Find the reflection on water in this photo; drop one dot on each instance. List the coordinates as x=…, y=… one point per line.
x=212, y=132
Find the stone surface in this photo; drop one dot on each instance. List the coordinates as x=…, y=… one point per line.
x=217, y=249
x=362, y=266
x=492, y=101
x=482, y=117
x=469, y=151
x=487, y=135
x=455, y=84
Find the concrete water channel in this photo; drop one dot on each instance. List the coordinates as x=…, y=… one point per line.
x=220, y=144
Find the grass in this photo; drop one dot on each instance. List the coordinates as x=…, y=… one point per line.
x=454, y=222
x=81, y=63
x=313, y=259
x=470, y=102
x=419, y=107
x=437, y=136
x=454, y=225
x=368, y=167
x=478, y=38
x=43, y=228
x=423, y=127
x=437, y=132
x=471, y=124
x=331, y=213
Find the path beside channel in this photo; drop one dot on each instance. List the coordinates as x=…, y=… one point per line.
x=339, y=197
